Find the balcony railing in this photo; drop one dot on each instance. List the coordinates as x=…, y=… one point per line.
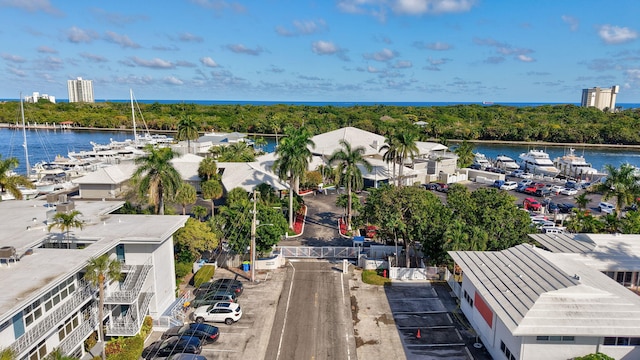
x=132, y=285
x=130, y=323
x=61, y=312
x=88, y=325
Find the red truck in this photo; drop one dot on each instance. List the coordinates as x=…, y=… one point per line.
x=531, y=204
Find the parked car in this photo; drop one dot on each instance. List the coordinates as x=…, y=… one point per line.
x=550, y=205
x=521, y=188
x=442, y=187
x=226, y=312
x=172, y=345
x=556, y=189
x=606, y=208
x=430, y=186
x=541, y=192
x=532, y=204
x=553, y=229
x=212, y=298
x=231, y=285
x=186, y=357
x=531, y=190
x=526, y=181
x=498, y=184
x=509, y=185
x=566, y=208
x=568, y=191
x=206, y=333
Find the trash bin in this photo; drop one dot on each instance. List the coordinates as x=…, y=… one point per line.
x=245, y=266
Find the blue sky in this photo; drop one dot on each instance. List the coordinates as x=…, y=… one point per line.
x=323, y=50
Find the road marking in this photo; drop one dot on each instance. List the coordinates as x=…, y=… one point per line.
x=286, y=311
x=346, y=333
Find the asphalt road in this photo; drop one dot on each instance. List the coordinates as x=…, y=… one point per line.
x=313, y=316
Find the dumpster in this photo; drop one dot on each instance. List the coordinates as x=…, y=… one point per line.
x=245, y=266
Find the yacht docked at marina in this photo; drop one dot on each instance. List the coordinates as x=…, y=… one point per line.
x=574, y=166
x=506, y=163
x=538, y=162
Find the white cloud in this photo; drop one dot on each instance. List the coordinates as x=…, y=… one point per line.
x=188, y=37
x=77, y=35
x=32, y=6
x=403, y=64
x=302, y=27
x=13, y=58
x=172, y=80
x=324, y=47
x=17, y=72
x=383, y=55
x=439, y=46
x=379, y=8
x=93, y=57
x=155, y=63
x=571, y=21
x=241, y=49
x=47, y=50
x=122, y=40
x=525, y=58
x=616, y=35
x=208, y=62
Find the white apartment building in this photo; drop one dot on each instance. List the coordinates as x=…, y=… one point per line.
x=600, y=98
x=46, y=304
x=530, y=303
x=80, y=90
x=37, y=96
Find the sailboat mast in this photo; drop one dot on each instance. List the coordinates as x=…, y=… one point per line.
x=24, y=136
x=133, y=116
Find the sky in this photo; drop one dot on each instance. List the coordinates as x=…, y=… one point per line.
x=323, y=50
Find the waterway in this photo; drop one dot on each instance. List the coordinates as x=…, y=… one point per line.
x=45, y=145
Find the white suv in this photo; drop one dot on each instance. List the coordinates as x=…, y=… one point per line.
x=606, y=208
x=226, y=312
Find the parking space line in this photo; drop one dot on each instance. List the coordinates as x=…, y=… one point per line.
x=286, y=311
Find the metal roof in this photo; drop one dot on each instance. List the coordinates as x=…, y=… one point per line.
x=536, y=292
x=564, y=243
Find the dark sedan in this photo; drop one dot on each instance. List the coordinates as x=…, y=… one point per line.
x=172, y=345
x=204, y=332
x=566, y=208
x=230, y=285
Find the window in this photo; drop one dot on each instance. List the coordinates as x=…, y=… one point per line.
x=555, y=338
x=39, y=352
x=468, y=298
x=622, y=341
x=505, y=350
x=65, y=329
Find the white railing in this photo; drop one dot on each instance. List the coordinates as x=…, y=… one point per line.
x=320, y=252
x=130, y=323
x=76, y=337
x=132, y=286
x=63, y=311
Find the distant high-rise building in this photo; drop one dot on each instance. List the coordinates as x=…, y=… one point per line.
x=600, y=98
x=80, y=90
x=37, y=96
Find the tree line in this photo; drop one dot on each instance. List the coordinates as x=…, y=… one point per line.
x=550, y=123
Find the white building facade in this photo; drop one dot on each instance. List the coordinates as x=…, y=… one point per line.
x=80, y=90
x=46, y=303
x=33, y=98
x=600, y=98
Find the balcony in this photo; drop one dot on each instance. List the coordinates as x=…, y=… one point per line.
x=130, y=323
x=132, y=286
x=77, y=336
x=59, y=314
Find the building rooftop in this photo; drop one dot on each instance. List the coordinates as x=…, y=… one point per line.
x=25, y=228
x=536, y=292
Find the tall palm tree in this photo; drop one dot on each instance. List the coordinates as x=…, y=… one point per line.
x=347, y=160
x=212, y=189
x=622, y=183
x=465, y=154
x=391, y=153
x=65, y=222
x=406, y=148
x=186, y=195
x=293, y=158
x=10, y=181
x=155, y=177
x=582, y=201
x=100, y=271
x=207, y=169
x=187, y=130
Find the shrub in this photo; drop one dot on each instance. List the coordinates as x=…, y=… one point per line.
x=183, y=269
x=125, y=348
x=203, y=275
x=372, y=277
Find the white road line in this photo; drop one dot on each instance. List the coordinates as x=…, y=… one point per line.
x=286, y=311
x=346, y=333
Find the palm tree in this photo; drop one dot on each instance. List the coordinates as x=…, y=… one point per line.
x=582, y=201
x=67, y=221
x=293, y=157
x=622, y=183
x=10, y=181
x=186, y=195
x=207, y=169
x=391, y=153
x=405, y=143
x=199, y=212
x=187, y=130
x=212, y=189
x=100, y=271
x=347, y=161
x=260, y=143
x=155, y=177
x=465, y=154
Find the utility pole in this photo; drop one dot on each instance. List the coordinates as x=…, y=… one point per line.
x=253, y=239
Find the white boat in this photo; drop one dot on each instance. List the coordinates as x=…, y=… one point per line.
x=481, y=161
x=574, y=166
x=506, y=163
x=538, y=162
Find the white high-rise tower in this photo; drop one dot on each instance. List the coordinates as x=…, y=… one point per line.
x=80, y=90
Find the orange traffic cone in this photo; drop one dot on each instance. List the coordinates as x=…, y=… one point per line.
x=418, y=334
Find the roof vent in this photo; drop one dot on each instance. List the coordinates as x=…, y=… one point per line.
x=576, y=276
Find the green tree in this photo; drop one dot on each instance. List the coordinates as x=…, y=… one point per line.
x=199, y=212
x=259, y=142
x=155, y=177
x=186, y=195
x=194, y=238
x=187, y=130
x=390, y=154
x=65, y=222
x=630, y=223
x=7, y=354
x=292, y=161
x=465, y=154
x=101, y=270
x=406, y=148
x=582, y=201
x=212, y=190
x=11, y=182
x=347, y=162
x=622, y=183
x=583, y=222
x=596, y=356
x=236, y=152
x=207, y=169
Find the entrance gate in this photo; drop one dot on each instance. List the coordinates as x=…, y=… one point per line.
x=324, y=252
